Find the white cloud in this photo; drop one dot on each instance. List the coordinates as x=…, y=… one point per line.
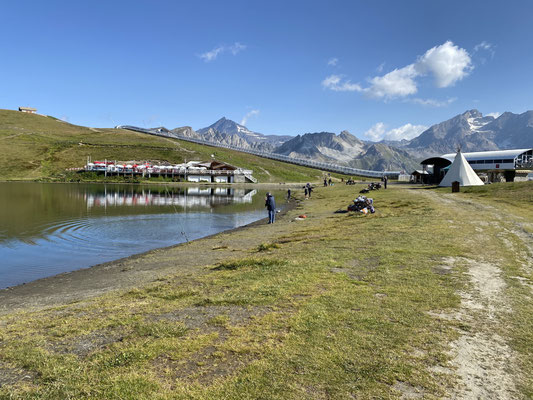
x=333, y=61
x=447, y=63
x=433, y=102
x=407, y=131
x=248, y=115
x=379, y=132
x=380, y=67
x=213, y=54
x=237, y=48
x=397, y=83
x=493, y=114
x=484, y=47
x=338, y=84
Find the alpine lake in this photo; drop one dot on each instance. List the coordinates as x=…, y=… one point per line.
x=51, y=228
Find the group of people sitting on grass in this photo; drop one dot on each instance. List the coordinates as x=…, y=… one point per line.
x=363, y=205
x=371, y=186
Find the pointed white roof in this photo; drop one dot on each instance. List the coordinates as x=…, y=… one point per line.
x=462, y=172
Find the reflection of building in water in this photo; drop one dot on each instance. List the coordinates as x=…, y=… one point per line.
x=192, y=171
x=188, y=198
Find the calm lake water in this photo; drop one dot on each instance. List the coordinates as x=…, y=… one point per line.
x=46, y=228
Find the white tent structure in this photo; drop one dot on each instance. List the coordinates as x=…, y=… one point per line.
x=461, y=172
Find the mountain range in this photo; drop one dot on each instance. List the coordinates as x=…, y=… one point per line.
x=227, y=131
x=471, y=131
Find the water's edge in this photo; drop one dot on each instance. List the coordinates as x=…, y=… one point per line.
x=74, y=274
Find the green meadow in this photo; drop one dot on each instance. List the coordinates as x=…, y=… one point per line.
x=334, y=306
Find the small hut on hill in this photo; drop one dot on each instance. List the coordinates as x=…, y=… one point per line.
x=28, y=110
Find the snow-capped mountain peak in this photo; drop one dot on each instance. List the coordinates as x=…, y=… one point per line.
x=230, y=132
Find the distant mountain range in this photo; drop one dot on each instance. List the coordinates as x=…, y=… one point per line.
x=471, y=131
x=348, y=150
x=227, y=131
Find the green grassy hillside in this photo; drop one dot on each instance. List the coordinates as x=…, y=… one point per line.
x=39, y=147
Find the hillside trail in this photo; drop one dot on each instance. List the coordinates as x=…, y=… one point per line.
x=484, y=363
x=178, y=146
x=15, y=135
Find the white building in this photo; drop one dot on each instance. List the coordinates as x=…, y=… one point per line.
x=504, y=161
x=28, y=110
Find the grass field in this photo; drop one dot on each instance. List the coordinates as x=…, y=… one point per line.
x=38, y=147
x=428, y=298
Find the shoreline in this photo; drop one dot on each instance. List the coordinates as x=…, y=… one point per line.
x=47, y=292
x=239, y=184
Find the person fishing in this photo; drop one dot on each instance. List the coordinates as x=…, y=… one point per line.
x=270, y=204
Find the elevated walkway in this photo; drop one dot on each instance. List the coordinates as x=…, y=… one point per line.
x=273, y=156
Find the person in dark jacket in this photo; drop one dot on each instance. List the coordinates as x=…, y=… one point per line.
x=270, y=204
x=309, y=189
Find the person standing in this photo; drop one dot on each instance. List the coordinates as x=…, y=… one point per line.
x=309, y=189
x=288, y=194
x=270, y=204
x=385, y=179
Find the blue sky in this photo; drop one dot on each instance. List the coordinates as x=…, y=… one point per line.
x=379, y=69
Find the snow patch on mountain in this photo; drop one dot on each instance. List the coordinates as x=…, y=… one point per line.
x=477, y=123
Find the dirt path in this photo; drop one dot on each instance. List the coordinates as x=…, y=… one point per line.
x=481, y=358
x=173, y=141
x=16, y=135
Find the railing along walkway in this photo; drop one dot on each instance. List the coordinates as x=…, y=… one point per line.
x=274, y=156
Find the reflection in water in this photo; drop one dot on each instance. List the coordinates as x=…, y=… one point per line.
x=30, y=211
x=193, y=197
x=46, y=229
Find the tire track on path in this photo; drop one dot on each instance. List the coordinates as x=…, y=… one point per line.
x=482, y=359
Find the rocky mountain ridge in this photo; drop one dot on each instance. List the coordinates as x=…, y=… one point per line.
x=471, y=131
x=348, y=150
x=226, y=131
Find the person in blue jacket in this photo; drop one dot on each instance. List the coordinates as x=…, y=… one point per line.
x=270, y=204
